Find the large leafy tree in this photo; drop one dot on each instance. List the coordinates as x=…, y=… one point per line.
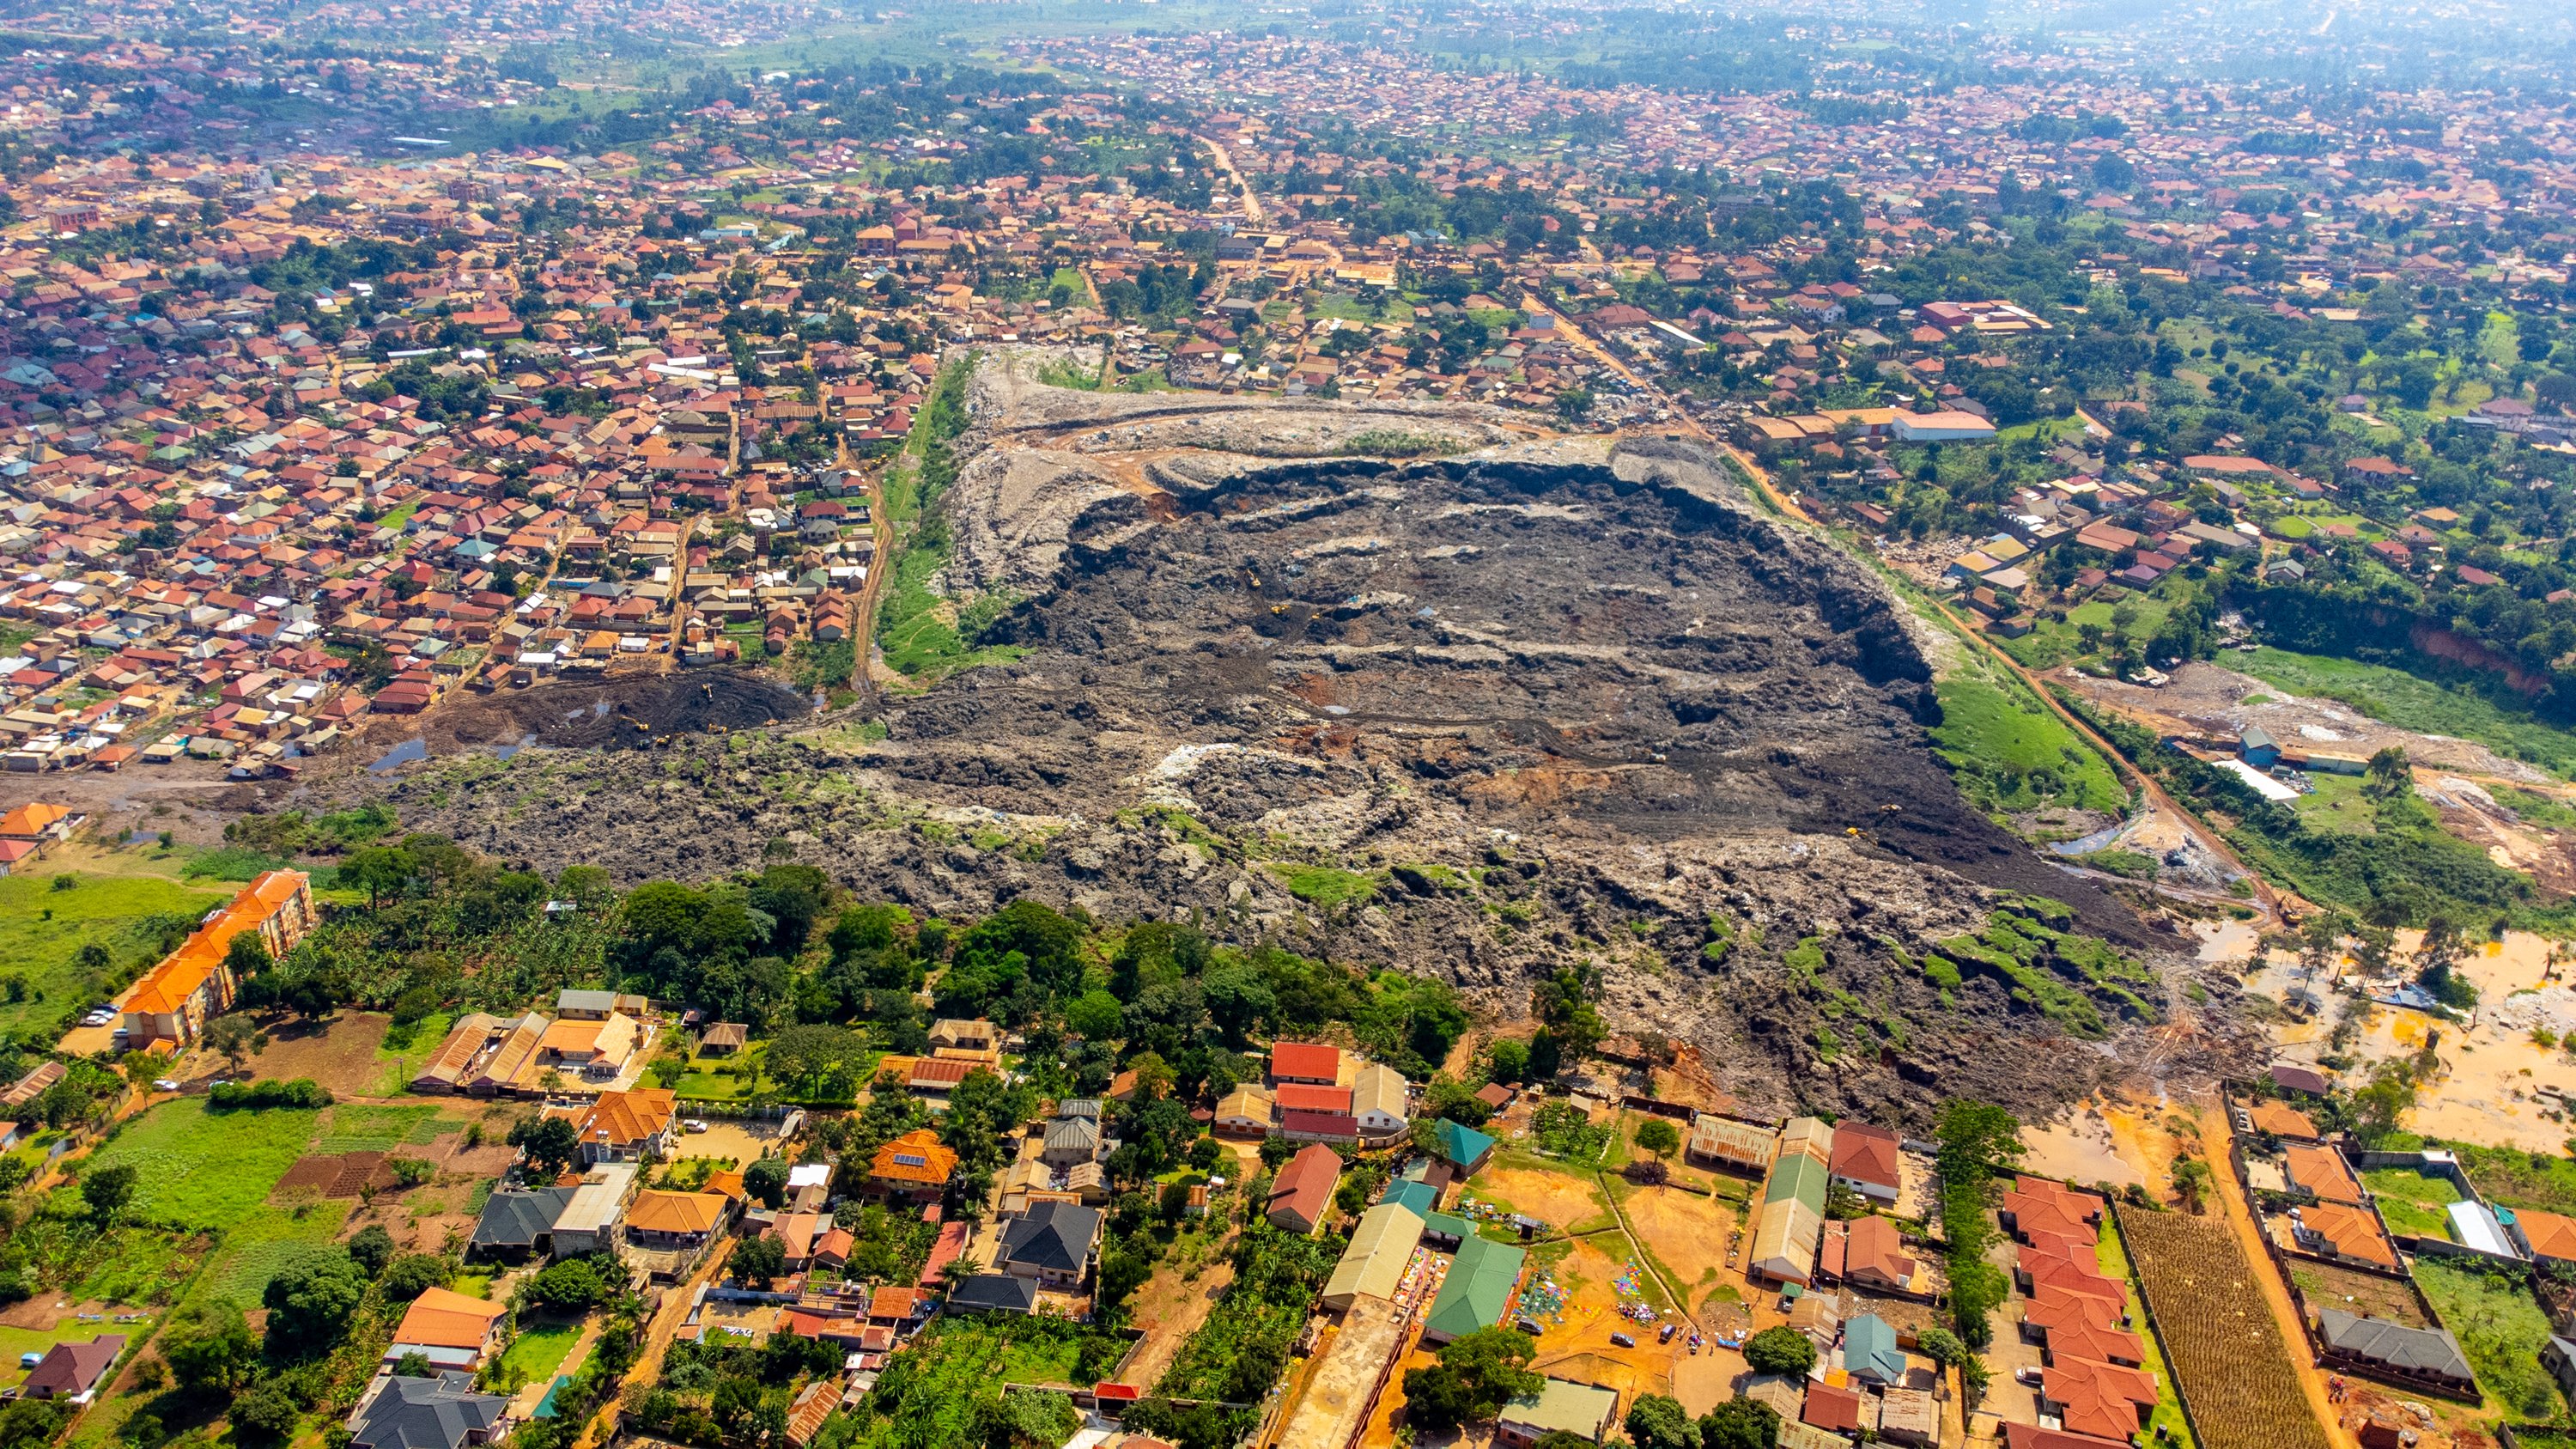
x=209, y=1347
x=1658, y=1421
x=823, y=1060
x=1740, y=1424
x=311, y=1301
x=1477, y=1374
x=551, y=1144
x=1780, y=1349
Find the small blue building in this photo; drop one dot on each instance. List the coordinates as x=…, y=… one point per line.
x=2256, y=747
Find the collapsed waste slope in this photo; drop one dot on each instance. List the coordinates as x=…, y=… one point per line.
x=1527, y=703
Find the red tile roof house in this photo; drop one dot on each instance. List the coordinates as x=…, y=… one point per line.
x=2097, y=1398
x=2035, y=1208
x=1874, y=1256
x=2054, y=1308
x=2036, y=1271
x=1339, y=1127
x=74, y=1370
x=1303, y=1191
x=1293, y=1061
x=1834, y=1410
x=2082, y=1338
x=1307, y=1097
x=1865, y=1160
x=2031, y=1436
x=897, y=1308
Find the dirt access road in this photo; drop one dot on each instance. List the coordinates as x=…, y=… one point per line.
x=2218, y=1141
x=863, y=613
x=1225, y=163
x=2278, y=904
x=1586, y=343
x=657, y=1343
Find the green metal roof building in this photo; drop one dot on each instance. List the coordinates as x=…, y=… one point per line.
x=1478, y=1291
x=1418, y=1196
x=1464, y=1146
x=1440, y=1229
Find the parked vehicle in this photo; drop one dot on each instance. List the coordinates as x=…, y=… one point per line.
x=1623, y=1340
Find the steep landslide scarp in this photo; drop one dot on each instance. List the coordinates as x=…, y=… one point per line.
x=1603, y=647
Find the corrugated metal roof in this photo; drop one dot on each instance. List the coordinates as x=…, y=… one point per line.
x=1478, y=1289
x=1785, y=1240
x=1796, y=1175
x=1374, y=1263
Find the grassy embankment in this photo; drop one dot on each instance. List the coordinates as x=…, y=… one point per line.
x=926, y=635
x=125, y=903
x=2462, y=708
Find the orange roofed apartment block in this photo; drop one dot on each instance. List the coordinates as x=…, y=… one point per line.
x=192, y=985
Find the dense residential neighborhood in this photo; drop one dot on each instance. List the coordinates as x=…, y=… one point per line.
x=1069, y=724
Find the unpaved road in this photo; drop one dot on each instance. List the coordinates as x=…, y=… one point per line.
x=2218, y=1139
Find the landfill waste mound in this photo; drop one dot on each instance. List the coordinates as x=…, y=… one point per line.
x=1412, y=686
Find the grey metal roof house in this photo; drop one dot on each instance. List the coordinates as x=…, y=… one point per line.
x=1070, y=1140
x=439, y=1413
x=516, y=1222
x=2422, y=1355
x=994, y=1293
x=1052, y=1242
x=577, y=1003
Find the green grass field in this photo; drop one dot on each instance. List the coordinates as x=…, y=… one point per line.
x=2413, y=702
x=381, y=1129
x=42, y=929
x=537, y=1352
x=254, y=1250
x=2338, y=804
x=2501, y=1328
x=201, y=1169
x=708, y=1087
x=2010, y=753
x=1320, y=304
x=2050, y=644
x=2113, y=1256
x=2411, y=1202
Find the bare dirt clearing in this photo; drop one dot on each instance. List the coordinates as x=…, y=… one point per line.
x=1561, y=1200
x=1686, y=1232
x=1170, y=1308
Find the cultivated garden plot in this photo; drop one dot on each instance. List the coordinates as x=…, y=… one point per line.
x=2234, y=1372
